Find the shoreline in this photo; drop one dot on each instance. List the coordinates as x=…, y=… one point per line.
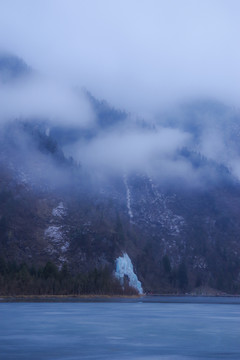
x=64, y=298
x=113, y=298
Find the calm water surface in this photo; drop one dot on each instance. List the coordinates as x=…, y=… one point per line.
x=120, y=330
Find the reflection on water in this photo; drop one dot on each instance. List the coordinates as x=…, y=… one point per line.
x=120, y=330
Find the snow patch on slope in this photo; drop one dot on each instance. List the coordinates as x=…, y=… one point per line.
x=54, y=233
x=124, y=266
x=170, y=221
x=60, y=210
x=128, y=197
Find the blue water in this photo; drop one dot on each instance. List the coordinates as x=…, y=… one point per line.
x=120, y=330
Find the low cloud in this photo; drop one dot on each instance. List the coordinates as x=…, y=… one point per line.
x=143, y=58
x=139, y=55
x=37, y=98
x=130, y=150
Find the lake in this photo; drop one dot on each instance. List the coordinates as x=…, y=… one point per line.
x=151, y=328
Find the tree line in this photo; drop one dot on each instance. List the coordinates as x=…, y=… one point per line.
x=22, y=279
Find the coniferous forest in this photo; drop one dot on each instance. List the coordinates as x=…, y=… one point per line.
x=49, y=280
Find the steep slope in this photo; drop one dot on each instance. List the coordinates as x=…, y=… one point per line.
x=162, y=230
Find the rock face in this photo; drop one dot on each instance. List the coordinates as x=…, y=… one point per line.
x=159, y=234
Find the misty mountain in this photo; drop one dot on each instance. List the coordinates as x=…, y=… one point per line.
x=106, y=117
x=71, y=196
x=12, y=68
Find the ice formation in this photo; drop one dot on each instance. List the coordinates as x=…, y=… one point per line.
x=124, y=266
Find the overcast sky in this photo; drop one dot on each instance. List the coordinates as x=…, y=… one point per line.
x=137, y=54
